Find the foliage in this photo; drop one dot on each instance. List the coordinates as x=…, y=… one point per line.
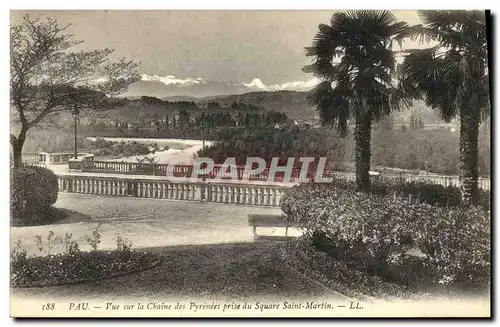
x=18, y=257
x=439, y=195
x=456, y=241
x=339, y=275
x=33, y=191
x=454, y=73
x=123, y=245
x=268, y=142
x=74, y=266
x=51, y=242
x=379, y=229
x=102, y=147
x=94, y=240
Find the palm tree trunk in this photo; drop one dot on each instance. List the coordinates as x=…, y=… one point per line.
x=362, y=137
x=469, y=130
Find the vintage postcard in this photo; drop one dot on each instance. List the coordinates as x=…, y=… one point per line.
x=250, y=163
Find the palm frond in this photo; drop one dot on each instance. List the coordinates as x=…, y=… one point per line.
x=450, y=75
x=363, y=78
x=332, y=105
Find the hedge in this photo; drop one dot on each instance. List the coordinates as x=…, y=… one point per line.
x=434, y=194
x=33, y=191
x=379, y=230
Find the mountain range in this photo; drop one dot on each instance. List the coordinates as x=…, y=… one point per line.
x=172, y=86
x=290, y=97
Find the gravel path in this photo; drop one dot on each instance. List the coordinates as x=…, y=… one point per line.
x=147, y=222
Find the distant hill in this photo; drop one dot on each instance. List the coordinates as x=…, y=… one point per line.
x=294, y=104
x=181, y=98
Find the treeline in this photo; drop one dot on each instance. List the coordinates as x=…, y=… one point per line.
x=185, y=124
x=434, y=151
x=194, y=106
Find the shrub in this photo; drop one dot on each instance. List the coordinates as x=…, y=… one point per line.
x=123, y=245
x=93, y=240
x=354, y=223
x=378, y=230
x=457, y=242
x=101, y=147
x=439, y=195
x=33, y=191
x=339, y=275
x=433, y=194
x=18, y=257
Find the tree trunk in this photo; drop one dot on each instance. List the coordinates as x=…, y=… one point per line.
x=17, y=147
x=469, y=130
x=362, y=137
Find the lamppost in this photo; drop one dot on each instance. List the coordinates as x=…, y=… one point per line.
x=203, y=122
x=76, y=116
x=203, y=133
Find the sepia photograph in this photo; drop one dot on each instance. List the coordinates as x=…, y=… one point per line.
x=250, y=163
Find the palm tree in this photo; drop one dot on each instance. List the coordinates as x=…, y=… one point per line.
x=453, y=77
x=359, y=85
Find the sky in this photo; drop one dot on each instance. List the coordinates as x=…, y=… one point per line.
x=237, y=46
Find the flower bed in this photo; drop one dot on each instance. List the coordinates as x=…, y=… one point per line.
x=75, y=266
x=82, y=267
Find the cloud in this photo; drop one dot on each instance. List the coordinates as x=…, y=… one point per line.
x=172, y=80
x=256, y=84
x=300, y=85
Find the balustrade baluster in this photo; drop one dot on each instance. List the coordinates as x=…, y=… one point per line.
x=208, y=192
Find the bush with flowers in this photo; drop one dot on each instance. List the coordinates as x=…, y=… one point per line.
x=379, y=230
x=73, y=265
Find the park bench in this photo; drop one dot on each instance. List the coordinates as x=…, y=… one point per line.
x=257, y=220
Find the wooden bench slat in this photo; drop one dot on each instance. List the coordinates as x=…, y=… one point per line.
x=273, y=238
x=266, y=220
x=270, y=224
x=257, y=220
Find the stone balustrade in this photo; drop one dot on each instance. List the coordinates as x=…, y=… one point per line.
x=265, y=195
x=63, y=158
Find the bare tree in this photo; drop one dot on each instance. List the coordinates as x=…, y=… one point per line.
x=48, y=76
